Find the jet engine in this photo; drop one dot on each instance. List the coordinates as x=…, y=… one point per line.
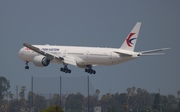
x=41, y=61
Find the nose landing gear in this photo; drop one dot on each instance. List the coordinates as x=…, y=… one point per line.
x=26, y=67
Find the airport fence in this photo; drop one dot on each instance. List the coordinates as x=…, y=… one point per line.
x=55, y=90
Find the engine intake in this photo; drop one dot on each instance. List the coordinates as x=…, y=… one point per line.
x=41, y=61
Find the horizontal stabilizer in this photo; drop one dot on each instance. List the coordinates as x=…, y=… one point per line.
x=155, y=50
x=151, y=54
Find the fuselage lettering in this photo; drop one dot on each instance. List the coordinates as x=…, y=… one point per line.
x=50, y=49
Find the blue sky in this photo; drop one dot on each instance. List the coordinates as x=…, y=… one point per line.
x=101, y=23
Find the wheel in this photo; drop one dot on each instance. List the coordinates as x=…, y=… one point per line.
x=26, y=67
x=94, y=72
x=86, y=70
x=61, y=69
x=90, y=71
x=66, y=70
x=69, y=71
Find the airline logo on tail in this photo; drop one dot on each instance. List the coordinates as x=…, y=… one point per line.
x=130, y=39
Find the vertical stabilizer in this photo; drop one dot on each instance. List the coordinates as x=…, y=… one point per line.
x=130, y=42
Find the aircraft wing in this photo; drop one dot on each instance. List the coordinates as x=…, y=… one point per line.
x=51, y=56
x=69, y=60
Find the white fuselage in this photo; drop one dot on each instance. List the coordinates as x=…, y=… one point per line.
x=83, y=55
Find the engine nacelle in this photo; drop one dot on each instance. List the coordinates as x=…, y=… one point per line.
x=41, y=61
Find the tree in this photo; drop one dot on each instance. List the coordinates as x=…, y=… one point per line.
x=31, y=99
x=157, y=102
x=23, y=88
x=74, y=102
x=133, y=89
x=53, y=109
x=11, y=96
x=128, y=91
x=22, y=94
x=22, y=99
x=55, y=99
x=7, y=95
x=40, y=102
x=178, y=106
x=113, y=109
x=139, y=90
x=178, y=92
x=125, y=107
x=4, y=86
x=105, y=98
x=97, y=92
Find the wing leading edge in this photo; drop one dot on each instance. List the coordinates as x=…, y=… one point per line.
x=51, y=56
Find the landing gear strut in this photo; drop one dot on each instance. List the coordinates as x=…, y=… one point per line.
x=26, y=67
x=65, y=69
x=90, y=70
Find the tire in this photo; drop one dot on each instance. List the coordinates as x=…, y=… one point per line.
x=86, y=70
x=26, y=67
x=69, y=71
x=61, y=69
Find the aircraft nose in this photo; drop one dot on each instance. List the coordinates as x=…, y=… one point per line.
x=20, y=53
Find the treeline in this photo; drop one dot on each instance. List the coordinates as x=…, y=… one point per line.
x=132, y=100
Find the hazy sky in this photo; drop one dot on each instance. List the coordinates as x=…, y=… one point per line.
x=98, y=23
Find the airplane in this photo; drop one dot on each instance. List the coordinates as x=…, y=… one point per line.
x=84, y=57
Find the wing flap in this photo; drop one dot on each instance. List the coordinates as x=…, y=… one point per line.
x=69, y=61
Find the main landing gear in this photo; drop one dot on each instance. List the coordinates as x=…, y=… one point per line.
x=26, y=67
x=65, y=69
x=90, y=70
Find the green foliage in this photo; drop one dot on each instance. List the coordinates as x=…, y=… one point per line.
x=125, y=107
x=53, y=109
x=112, y=109
x=179, y=105
x=157, y=102
x=40, y=101
x=4, y=86
x=55, y=99
x=74, y=104
x=74, y=101
x=155, y=110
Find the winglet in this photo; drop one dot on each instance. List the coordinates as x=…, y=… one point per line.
x=130, y=42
